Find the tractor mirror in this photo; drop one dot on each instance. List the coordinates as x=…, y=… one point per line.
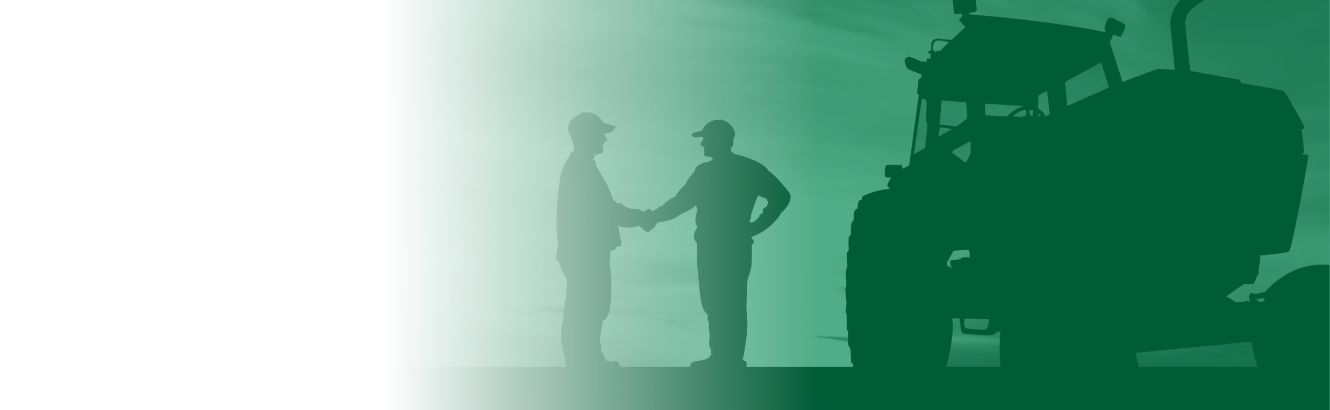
x=915, y=65
x=893, y=170
x=1114, y=27
x=964, y=6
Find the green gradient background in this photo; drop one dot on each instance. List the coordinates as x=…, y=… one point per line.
x=816, y=91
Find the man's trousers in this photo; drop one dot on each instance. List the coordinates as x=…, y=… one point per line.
x=586, y=306
x=722, y=276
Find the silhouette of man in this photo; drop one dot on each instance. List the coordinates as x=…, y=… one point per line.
x=588, y=229
x=725, y=190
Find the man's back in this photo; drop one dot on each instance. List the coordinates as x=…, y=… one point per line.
x=586, y=209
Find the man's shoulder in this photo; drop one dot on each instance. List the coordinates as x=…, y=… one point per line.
x=749, y=163
x=747, y=160
x=578, y=164
x=735, y=163
x=577, y=173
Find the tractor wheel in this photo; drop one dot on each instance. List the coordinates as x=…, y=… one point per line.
x=887, y=300
x=1294, y=333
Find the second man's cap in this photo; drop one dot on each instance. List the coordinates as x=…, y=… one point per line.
x=716, y=129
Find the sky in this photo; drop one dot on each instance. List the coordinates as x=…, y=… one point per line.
x=816, y=91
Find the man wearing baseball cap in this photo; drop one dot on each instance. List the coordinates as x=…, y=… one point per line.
x=588, y=228
x=724, y=190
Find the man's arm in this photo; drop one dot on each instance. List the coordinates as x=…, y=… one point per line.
x=777, y=199
x=684, y=200
x=625, y=216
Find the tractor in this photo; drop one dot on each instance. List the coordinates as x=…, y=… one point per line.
x=1083, y=232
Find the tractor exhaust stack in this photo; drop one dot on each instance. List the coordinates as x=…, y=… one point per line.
x=1181, y=56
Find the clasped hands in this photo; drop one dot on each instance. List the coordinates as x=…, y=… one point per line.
x=647, y=220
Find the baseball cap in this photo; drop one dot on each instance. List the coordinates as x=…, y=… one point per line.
x=717, y=129
x=588, y=123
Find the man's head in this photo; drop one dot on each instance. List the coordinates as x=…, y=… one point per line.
x=588, y=132
x=717, y=138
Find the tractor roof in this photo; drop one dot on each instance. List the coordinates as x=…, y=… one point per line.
x=1009, y=61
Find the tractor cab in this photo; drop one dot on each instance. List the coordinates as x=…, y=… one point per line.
x=1000, y=67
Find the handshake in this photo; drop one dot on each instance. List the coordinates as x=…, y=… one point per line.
x=646, y=219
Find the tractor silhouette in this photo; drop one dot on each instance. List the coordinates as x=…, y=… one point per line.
x=1097, y=229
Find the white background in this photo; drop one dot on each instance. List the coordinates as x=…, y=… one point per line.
x=199, y=204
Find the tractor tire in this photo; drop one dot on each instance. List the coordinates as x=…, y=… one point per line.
x=1294, y=333
x=889, y=307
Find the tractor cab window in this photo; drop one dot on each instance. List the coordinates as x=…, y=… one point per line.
x=1003, y=110
x=1086, y=84
x=951, y=115
x=920, y=128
